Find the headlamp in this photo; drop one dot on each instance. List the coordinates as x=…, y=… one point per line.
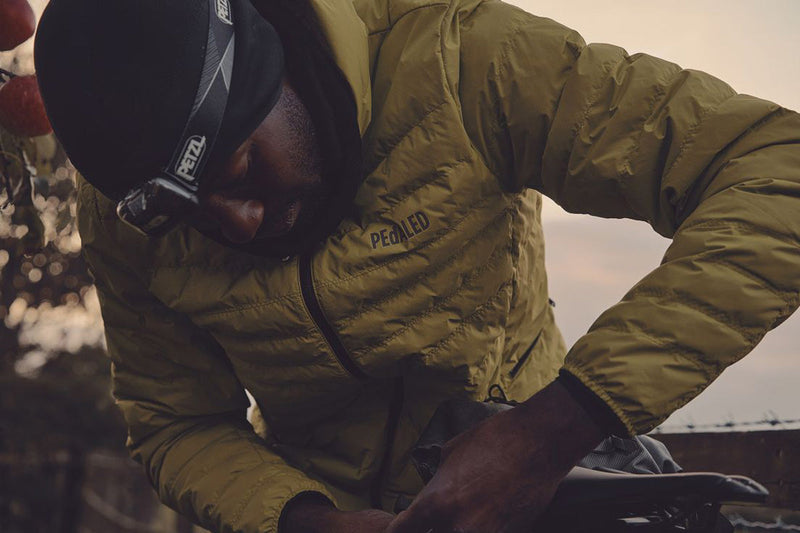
x=160, y=202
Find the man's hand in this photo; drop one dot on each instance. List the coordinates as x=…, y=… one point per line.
x=499, y=476
x=315, y=517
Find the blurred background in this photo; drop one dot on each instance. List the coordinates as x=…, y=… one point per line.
x=62, y=463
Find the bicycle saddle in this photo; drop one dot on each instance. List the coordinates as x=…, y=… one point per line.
x=592, y=501
x=603, y=489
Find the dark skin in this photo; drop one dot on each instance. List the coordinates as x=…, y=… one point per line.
x=497, y=477
x=272, y=180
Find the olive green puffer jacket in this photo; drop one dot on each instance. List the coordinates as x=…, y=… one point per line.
x=434, y=285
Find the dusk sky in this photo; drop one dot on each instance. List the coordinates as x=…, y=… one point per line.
x=593, y=262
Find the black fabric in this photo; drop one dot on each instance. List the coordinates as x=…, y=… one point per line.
x=257, y=71
x=302, y=499
x=639, y=455
x=598, y=410
x=119, y=79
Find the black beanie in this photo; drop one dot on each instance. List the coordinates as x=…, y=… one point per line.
x=119, y=78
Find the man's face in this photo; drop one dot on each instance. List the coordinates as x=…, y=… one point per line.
x=272, y=183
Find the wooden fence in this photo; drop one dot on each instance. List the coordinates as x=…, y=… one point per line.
x=770, y=457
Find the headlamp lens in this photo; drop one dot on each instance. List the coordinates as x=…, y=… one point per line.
x=155, y=207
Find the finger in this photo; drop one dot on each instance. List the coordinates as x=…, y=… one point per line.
x=411, y=521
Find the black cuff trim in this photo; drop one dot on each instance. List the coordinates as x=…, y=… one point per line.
x=303, y=497
x=598, y=410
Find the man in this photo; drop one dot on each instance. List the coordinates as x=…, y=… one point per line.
x=345, y=222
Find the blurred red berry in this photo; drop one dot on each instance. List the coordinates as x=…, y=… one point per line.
x=21, y=108
x=17, y=23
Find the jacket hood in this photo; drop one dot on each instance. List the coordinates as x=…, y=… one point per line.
x=347, y=36
x=336, y=30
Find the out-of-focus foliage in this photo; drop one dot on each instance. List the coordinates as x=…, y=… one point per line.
x=55, y=390
x=55, y=399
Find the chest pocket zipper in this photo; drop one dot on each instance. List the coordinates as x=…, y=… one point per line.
x=517, y=367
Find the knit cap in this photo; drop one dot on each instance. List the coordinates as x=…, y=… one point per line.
x=119, y=80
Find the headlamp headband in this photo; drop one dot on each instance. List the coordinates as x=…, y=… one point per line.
x=156, y=205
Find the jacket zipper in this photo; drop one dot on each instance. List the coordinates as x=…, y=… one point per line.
x=518, y=366
x=315, y=310
x=395, y=407
x=392, y=423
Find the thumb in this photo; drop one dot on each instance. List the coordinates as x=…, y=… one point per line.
x=411, y=521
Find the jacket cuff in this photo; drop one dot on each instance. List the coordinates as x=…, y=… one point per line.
x=598, y=410
x=303, y=497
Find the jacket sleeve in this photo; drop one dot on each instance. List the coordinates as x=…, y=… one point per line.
x=613, y=135
x=184, y=407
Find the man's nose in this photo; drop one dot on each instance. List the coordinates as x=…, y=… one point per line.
x=238, y=219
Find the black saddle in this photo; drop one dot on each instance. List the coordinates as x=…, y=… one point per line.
x=611, y=501
x=586, y=488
